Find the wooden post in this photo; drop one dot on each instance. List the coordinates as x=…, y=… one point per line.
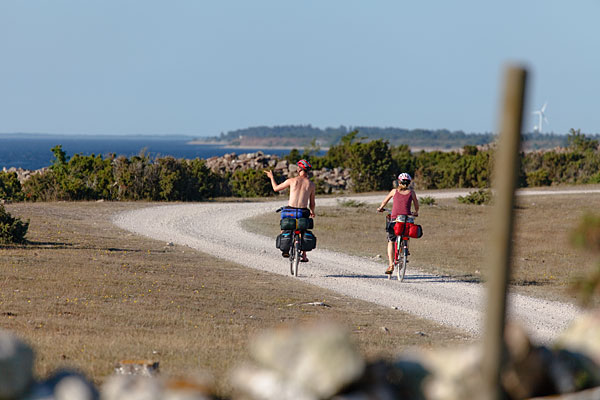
x=505, y=176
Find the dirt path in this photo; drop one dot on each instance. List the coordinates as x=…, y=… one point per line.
x=215, y=228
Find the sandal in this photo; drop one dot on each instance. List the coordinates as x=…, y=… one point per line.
x=390, y=270
x=304, y=259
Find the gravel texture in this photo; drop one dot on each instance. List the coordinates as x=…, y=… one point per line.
x=215, y=228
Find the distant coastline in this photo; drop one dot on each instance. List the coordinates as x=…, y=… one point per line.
x=198, y=142
x=32, y=152
x=242, y=146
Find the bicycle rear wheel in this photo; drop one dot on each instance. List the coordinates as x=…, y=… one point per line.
x=293, y=255
x=298, y=255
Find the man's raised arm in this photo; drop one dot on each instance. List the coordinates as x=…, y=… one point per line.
x=274, y=184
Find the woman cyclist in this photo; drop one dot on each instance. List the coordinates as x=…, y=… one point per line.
x=403, y=196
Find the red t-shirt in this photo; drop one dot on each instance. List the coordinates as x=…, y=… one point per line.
x=402, y=203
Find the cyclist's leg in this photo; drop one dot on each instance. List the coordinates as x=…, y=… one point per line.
x=304, y=258
x=391, y=256
x=391, y=237
x=390, y=253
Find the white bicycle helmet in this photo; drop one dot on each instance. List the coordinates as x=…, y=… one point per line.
x=403, y=177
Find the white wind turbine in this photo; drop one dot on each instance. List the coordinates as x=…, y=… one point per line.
x=542, y=118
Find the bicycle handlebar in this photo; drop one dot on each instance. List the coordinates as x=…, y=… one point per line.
x=388, y=210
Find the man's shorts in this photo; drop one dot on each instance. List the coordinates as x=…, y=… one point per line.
x=294, y=212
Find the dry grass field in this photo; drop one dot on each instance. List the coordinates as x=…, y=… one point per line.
x=455, y=239
x=86, y=295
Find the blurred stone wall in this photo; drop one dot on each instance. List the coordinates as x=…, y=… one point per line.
x=320, y=361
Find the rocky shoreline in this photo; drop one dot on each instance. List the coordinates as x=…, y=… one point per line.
x=334, y=180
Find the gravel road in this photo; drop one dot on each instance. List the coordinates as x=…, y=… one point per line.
x=215, y=228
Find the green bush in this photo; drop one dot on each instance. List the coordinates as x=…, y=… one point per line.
x=371, y=166
x=426, y=200
x=404, y=160
x=581, y=143
x=351, y=203
x=539, y=177
x=41, y=187
x=12, y=230
x=10, y=187
x=482, y=196
x=442, y=170
x=137, y=178
x=251, y=183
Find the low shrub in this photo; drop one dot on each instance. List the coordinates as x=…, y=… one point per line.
x=250, y=183
x=10, y=187
x=539, y=177
x=482, y=196
x=12, y=230
x=427, y=200
x=351, y=203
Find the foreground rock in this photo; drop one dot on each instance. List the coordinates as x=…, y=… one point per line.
x=310, y=362
x=16, y=366
x=318, y=362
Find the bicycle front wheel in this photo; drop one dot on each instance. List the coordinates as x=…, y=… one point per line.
x=403, y=262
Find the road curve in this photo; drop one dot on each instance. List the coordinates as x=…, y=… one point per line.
x=215, y=228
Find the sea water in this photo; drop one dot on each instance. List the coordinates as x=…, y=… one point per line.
x=34, y=151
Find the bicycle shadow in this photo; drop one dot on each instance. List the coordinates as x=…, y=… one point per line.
x=428, y=278
x=407, y=278
x=363, y=276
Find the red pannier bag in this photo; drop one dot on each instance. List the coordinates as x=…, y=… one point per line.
x=408, y=229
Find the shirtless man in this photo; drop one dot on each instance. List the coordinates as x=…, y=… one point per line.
x=302, y=193
x=302, y=190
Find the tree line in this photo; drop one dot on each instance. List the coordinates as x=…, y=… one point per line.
x=415, y=138
x=373, y=164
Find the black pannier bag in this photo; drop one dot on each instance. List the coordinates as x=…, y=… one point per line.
x=284, y=241
x=309, y=241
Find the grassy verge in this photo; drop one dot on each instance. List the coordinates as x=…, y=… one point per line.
x=455, y=239
x=86, y=295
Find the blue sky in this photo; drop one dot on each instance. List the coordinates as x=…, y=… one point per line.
x=203, y=67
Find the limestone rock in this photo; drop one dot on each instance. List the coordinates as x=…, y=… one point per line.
x=455, y=373
x=131, y=387
x=16, y=366
x=64, y=385
x=198, y=387
x=137, y=367
x=254, y=383
x=583, y=336
x=319, y=359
